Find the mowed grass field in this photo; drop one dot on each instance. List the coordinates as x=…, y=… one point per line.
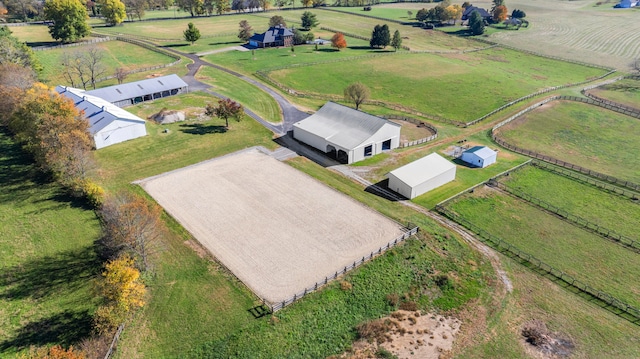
x=48, y=261
x=625, y=92
x=241, y=91
x=115, y=54
x=585, y=135
x=581, y=254
x=603, y=208
x=479, y=82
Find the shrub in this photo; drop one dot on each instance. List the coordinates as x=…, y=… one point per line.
x=393, y=299
x=93, y=193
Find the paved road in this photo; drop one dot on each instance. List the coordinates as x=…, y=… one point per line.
x=290, y=113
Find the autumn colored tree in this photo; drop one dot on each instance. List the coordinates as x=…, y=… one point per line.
x=307, y=3
x=500, y=13
x=122, y=291
x=338, y=41
x=193, y=7
x=14, y=81
x=191, y=34
x=113, y=11
x=356, y=93
x=246, y=31
x=54, y=352
x=453, y=13
x=277, y=20
x=131, y=225
x=69, y=19
x=396, y=41
x=226, y=109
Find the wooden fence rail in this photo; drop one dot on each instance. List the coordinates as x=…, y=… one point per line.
x=328, y=278
x=613, y=304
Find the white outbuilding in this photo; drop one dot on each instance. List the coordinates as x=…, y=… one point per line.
x=421, y=176
x=479, y=156
x=108, y=123
x=346, y=134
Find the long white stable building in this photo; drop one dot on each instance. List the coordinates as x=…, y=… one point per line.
x=421, y=176
x=346, y=134
x=108, y=123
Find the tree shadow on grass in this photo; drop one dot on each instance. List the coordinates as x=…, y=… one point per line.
x=225, y=43
x=64, y=328
x=49, y=275
x=328, y=50
x=200, y=129
x=176, y=45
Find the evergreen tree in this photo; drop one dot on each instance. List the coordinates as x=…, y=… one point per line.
x=476, y=23
x=396, y=42
x=380, y=37
x=309, y=20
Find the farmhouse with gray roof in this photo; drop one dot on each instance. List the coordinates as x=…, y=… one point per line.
x=108, y=124
x=275, y=36
x=467, y=13
x=132, y=93
x=346, y=134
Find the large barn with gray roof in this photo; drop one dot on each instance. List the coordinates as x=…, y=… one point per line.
x=108, y=124
x=132, y=93
x=346, y=134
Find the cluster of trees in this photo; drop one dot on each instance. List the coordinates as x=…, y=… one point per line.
x=255, y=5
x=202, y=7
x=21, y=9
x=441, y=13
x=381, y=38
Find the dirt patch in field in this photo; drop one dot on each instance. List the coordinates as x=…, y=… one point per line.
x=277, y=229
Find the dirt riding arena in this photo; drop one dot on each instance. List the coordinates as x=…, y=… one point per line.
x=277, y=229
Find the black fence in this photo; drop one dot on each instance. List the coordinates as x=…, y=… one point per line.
x=569, y=217
x=321, y=283
x=612, y=304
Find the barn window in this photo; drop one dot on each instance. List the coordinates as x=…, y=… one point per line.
x=386, y=145
x=368, y=150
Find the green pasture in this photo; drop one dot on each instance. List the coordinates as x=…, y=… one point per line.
x=33, y=35
x=48, y=259
x=603, y=208
x=115, y=54
x=596, y=333
x=243, y=92
x=389, y=12
x=461, y=87
x=585, y=135
x=626, y=92
x=323, y=323
x=185, y=143
x=581, y=254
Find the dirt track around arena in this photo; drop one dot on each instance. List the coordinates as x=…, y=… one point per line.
x=277, y=229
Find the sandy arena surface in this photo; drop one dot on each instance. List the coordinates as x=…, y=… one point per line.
x=277, y=229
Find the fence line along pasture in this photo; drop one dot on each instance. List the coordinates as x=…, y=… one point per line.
x=321, y=283
x=114, y=342
x=614, y=305
x=81, y=43
x=420, y=124
x=569, y=217
x=582, y=178
x=494, y=135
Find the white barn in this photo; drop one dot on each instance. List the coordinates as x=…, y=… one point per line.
x=346, y=134
x=108, y=123
x=479, y=156
x=131, y=93
x=421, y=176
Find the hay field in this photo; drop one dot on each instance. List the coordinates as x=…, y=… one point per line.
x=275, y=228
x=576, y=30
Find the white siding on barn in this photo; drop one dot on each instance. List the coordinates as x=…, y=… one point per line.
x=118, y=131
x=480, y=156
x=421, y=176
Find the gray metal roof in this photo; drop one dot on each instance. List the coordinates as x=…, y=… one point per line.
x=343, y=126
x=274, y=34
x=97, y=111
x=483, y=152
x=135, y=89
x=422, y=170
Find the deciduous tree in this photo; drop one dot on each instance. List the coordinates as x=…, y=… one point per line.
x=307, y=3
x=277, y=20
x=225, y=110
x=131, y=225
x=193, y=7
x=496, y=3
x=356, y=93
x=476, y=23
x=69, y=19
x=246, y=31
x=396, y=41
x=309, y=20
x=338, y=41
x=14, y=81
x=453, y=13
x=113, y=11
x=121, y=74
x=191, y=34
x=135, y=8
x=12, y=51
x=500, y=13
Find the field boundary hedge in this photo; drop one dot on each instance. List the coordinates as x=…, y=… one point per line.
x=613, y=304
x=494, y=135
x=568, y=217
